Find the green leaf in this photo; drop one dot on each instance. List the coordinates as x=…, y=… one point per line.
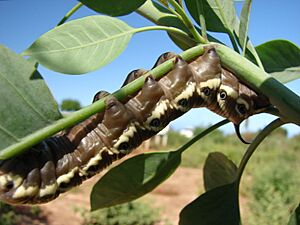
x=161, y=16
x=218, y=206
x=82, y=45
x=295, y=217
x=134, y=178
x=287, y=75
x=278, y=55
x=220, y=15
x=250, y=49
x=218, y=170
x=113, y=7
x=281, y=58
x=244, y=24
x=164, y=2
x=140, y=175
x=26, y=103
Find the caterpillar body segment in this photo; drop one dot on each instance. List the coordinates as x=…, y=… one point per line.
x=66, y=159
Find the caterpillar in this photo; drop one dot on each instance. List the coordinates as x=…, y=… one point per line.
x=68, y=158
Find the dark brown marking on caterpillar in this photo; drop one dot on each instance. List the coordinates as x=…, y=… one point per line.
x=66, y=159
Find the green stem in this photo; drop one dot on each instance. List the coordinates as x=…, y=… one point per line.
x=233, y=42
x=188, y=23
x=175, y=13
x=203, y=27
x=160, y=16
x=169, y=29
x=252, y=147
x=38, y=136
x=67, y=16
x=201, y=19
x=228, y=30
x=257, y=59
x=244, y=69
x=201, y=135
x=70, y=13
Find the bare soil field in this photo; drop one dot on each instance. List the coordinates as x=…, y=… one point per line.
x=170, y=197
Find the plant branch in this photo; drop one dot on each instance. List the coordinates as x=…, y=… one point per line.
x=166, y=28
x=252, y=147
x=257, y=59
x=161, y=16
x=188, y=23
x=70, y=13
x=201, y=135
x=201, y=19
x=233, y=42
x=131, y=88
x=175, y=13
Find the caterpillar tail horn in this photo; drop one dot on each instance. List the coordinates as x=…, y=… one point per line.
x=238, y=134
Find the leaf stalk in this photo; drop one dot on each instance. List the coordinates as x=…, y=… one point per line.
x=253, y=146
x=70, y=13
x=201, y=135
x=188, y=23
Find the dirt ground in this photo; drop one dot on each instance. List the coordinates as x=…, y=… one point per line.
x=170, y=197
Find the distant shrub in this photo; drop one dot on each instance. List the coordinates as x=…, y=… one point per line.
x=132, y=213
x=14, y=215
x=7, y=215
x=70, y=105
x=273, y=193
x=214, y=142
x=216, y=135
x=175, y=139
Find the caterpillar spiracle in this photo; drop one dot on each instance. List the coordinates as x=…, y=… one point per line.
x=66, y=159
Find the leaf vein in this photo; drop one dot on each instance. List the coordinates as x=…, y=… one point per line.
x=57, y=41
x=74, y=38
x=22, y=97
x=129, y=32
x=8, y=133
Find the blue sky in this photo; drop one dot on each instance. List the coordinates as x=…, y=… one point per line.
x=23, y=21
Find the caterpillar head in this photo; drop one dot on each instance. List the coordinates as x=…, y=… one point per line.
x=236, y=101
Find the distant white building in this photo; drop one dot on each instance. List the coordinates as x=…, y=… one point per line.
x=187, y=132
x=162, y=137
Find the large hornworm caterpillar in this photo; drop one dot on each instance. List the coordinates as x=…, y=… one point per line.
x=66, y=159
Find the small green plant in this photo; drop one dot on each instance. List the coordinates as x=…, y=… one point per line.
x=132, y=213
x=175, y=139
x=13, y=215
x=7, y=215
x=273, y=193
x=35, y=210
